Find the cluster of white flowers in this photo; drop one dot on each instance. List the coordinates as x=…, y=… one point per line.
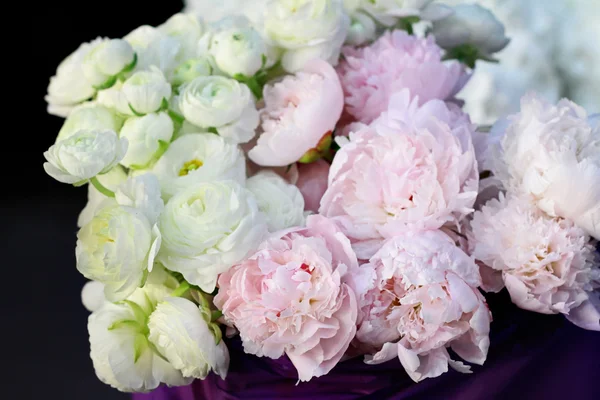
x=204, y=141
x=553, y=50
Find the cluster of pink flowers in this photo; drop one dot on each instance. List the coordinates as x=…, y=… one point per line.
x=392, y=264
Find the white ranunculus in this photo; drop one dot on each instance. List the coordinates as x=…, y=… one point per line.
x=306, y=29
x=143, y=93
x=212, y=11
x=471, y=24
x=198, y=157
x=552, y=153
x=92, y=296
x=96, y=200
x=89, y=116
x=116, y=248
x=238, y=49
x=142, y=193
x=220, y=103
x=148, y=138
x=207, y=228
x=154, y=47
x=84, y=155
x=68, y=87
x=387, y=12
x=190, y=70
x=122, y=355
x=106, y=59
x=180, y=331
x=362, y=29
x=187, y=29
x=280, y=201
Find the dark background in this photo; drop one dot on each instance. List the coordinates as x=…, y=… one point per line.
x=48, y=348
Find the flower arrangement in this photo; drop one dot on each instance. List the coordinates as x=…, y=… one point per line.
x=301, y=174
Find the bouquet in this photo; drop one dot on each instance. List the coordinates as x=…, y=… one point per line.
x=301, y=174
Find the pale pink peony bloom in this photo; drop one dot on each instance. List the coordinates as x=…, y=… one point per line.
x=414, y=168
x=396, y=61
x=548, y=264
x=312, y=182
x=289, y=297
x=299, y=111
x=552, y=153
x=417, y=297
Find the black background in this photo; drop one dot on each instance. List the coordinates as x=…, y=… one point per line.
x=48, y=348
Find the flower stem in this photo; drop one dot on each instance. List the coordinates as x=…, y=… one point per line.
x=101, y=188
x=181, y=289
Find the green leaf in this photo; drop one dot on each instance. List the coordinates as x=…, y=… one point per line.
x=164, y=105
x=215, y=315
x=101, y=188
x=137, y=114
x=131, y=65
x=181, y=290
x=178, y=118
x=212, y=129
x=125, y=324
x=139, y=345
x=138, y=312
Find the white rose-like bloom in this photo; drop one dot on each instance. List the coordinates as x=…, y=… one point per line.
x=471, y=24
x=148, y=138
x=198, y=157
x=96, y=200
x=387, y=12
x=280, y=201
x=89, y=116
x=207, y=228
x=238, y=50
x=84, y=155
x=122, y=355
x=552, y=153
x=143, y=93
x=190, y=70
x=142, y=192
x=116, y=248
x=187, y=28
x=220, y=103
x=180, y=332
x=154, y=48
x=68, y=87
x=213, y=11
x=306, y=29
x=106, y=59
x=362, y=29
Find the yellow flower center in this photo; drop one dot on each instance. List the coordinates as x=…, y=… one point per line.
x=190, y=166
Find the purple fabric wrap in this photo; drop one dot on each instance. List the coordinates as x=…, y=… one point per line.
x=532, y=356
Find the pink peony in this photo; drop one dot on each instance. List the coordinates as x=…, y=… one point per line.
x=547, y=264
x=299, y=112
x=289, y=297
x=312, y=182
x=413, y=168
x=419, y=296
x=396, y=61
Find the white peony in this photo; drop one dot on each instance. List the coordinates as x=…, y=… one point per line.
x=68, y=87
x=190, y=70
x=552, y=153
x=154, y=48
x=207, y=228
x=280, y=201
x=116, y=248
x=148, y=138
x=198, y=157
x=143, y=93
x=106, y=59
x=220, y=103
x=179, y=330
x=306, y=29
x=142, y=192
x=122, y=355
x=84, y=155
x=96, y=200
x=471, y=24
